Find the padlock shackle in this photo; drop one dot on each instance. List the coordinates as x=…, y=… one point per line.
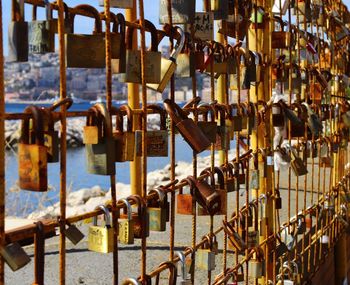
x=106, y=213
x=150, y=28
x=66, y=101
x=192, y=102
x=179, y=44
x=18, y=11
x=107, y=123
x=128, y=208
x=48, y=11
x=130, y=281
x=124, y=109
x=162, y=115
x=190, y=180
x=172, y=269
x=67, y=15
x=174, y=111
x=91, y=10
x=160, y=194
x=37, y=126
x=182, y=259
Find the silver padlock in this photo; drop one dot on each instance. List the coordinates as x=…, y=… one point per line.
x=184, y=280
x=168, y=66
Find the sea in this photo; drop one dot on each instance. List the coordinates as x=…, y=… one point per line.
x=21, y=203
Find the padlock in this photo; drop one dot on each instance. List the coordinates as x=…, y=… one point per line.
x=205, y=258
x=100, y=157
x=278, y=200
x=182, y=260
x=73, y=234
x=254, y=181
x=223, y=131
x=209, y=128
x=327, y=159
x=140, y=217
x=100, y=238
x=158, y=211
x=252, y=117
x=41, y=37
x=157, y=140
x=239, y=276
x=188, y=129
x=285, y=273
x=51, y=138
x=131, y=281
x=67, y=26
x=281, y=39
x=32, y=157
x=186, y=60
x=181, y=12
x=277, y=115
x=229, y=28
x=206, y=196
x=235, y=241
x=298, y=166
x=235, y=115
x=220, y=188
x=219, y=62
x=256, y=266
x=123, y=4
x=14, y=255
x=230, y=178
x=185, y=201
x=126, y=225
x=263, y=224
x=281, y=248
x=253, y=233
x=300, y=225
x=231, y=60
x=199, y=56
x=92, y=130
x=168, y=66
x=171, y=266
x=133, y=58
x=18, y=34
x=86, y=51
x=124, y=140
x=118, y=48
x=241, y=176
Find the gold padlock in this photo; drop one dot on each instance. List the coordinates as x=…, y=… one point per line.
x=126, y=226
x=100, y=238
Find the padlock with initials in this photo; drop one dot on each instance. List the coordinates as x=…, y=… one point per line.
x=158, y=210
x=100, y=156
x=18, y=34
x=186, y=126
x=206, y=257
x=32, y=153
x=83, y=50
x=168, y=66
x=126, y=226
x=182, y=12
x=100, y=238
x=140, y=217
x=41, y=37
x=133, y=58
x=157, y=140
x=124, y=140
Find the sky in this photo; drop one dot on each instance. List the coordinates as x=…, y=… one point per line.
x=85, y=25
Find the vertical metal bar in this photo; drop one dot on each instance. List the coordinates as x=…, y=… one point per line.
x=2, y=149
x=63, y=144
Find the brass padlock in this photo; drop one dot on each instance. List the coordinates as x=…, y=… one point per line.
x=18, y=34
x=230, y=178
x=256, y=266
x=73, y=234
x=41, y=37
x=123, y=4
x=209, y=128
x=124, y=140
x=14, y=255
x=181, y=12
x=100, y=157
x=219, y=62
x=32, y=156
x=126, y=225
x=157, y=140
x=185, y=201
x=92, y=130
x=158, y=211
x=186, y=61
x=140, y=217
x=133, y=58
x=83, y=50
x=168, y=66
x=205, y=256
x=223, y=131
x=100, y=238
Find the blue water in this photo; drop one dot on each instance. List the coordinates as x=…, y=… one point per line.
x=77, y=177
